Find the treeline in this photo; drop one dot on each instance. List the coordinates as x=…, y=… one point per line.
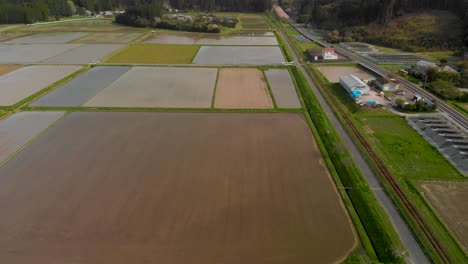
x=30, y=11
x=142, y=15
x=359, y=12
x=11, y=14
x=415, y=26
x=12, y=11
x=222, y=5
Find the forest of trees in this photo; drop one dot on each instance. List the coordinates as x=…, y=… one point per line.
x=222, y=5
x=30, y=11
x=137, y=15
x=358, y=12
x=355, y=15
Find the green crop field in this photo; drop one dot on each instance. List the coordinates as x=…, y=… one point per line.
x=407, y=153
x=157, y=54
x=253, y=22
x=309, y=45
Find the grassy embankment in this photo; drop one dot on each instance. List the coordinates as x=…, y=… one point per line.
x=376, y=232
x=410, y=158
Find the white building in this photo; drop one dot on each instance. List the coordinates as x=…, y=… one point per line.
x=423, y=66
x=328, y=53
x=354, y=85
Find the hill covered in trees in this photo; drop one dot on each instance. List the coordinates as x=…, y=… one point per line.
x=30, y=11
x=398, y=23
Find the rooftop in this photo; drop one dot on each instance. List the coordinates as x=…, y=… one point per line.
x=351, y=80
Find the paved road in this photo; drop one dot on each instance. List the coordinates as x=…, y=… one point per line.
x=453, y=113
x=415, y=254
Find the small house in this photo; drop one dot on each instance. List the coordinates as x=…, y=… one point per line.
x=386, y=84
x=328, y=53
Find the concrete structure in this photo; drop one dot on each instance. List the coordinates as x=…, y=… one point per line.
x=328, y=53
x=449, y=139
x=386, y=84
x=423, y=66
x=354, y=85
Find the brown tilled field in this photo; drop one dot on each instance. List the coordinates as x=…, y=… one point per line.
x=172, y=188
x=449, y=200
x=6, y=68
x=242, y=88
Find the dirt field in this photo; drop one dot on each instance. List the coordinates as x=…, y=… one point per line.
x=157, y=54
x=6, y=68
x=159, y=87
x=26, y=81
x=242, y=88
x=18, y=129
x=172, y=188
x=87, y=53
x=108, y=38
x=449, y=200
x=283, y=88
x=79, y=90
x=47, y=38
x=31, y=53
x=333, y=73
x=235, y=55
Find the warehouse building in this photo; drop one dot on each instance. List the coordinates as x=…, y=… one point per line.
x=355, y=86
x=387, y=84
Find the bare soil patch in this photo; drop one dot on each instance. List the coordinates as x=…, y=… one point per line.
x=449, y=199
x=242, y=88
x=333, y=73
x=172, y=188
x=6, y=68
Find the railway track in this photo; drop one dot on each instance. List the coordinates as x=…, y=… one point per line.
x=435, y=243
x=444, y=107
x=412, y=210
